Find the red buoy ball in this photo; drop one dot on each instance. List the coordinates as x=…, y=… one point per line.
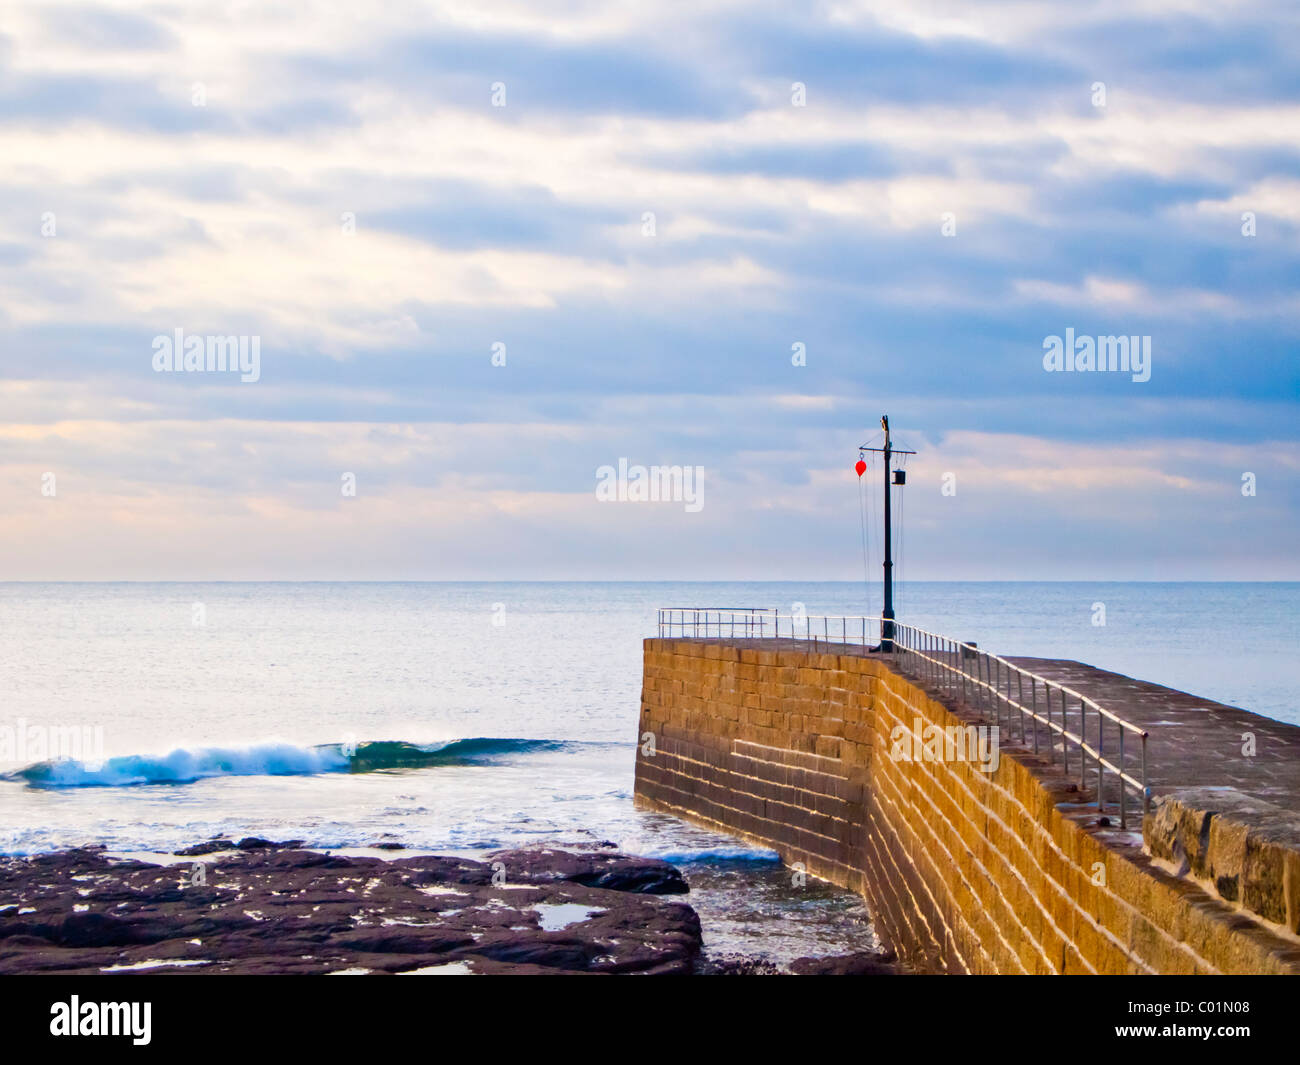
x=861, y=467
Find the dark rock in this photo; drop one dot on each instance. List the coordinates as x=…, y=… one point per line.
x=595, y=868
x=267, y=908
x=102, y=930
x=548, y=953
x=739, y=965
x=866, y=963
x=210, y=847
x=389, y=941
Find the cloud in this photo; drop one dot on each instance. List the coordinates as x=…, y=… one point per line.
x=648, y=226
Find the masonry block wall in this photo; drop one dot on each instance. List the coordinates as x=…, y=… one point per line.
x=963, y=870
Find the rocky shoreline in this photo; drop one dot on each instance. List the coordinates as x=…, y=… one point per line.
x=255, y=906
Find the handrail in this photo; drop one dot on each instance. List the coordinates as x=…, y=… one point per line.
x=971, y=677
x=726, y=609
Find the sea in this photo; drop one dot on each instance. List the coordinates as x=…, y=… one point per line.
x=463, y=718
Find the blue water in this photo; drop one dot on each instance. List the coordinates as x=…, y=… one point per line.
x=340, y=713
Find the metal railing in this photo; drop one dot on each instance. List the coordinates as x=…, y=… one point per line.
x=1050, y=717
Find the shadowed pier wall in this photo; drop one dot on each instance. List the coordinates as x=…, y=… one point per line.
x=963, y=870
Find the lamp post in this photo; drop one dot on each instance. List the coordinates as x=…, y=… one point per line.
x=900, y=478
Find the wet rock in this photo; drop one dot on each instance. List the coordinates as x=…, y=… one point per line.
x=212, y=846
x=267, y=909
x=594, y=868
x=391, y=941
x=738, y=965
x=865, y=963
x=256, y=843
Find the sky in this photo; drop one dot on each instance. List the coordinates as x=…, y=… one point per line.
x=485, y=249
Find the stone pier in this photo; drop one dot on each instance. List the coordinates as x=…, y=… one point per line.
x=968, y=868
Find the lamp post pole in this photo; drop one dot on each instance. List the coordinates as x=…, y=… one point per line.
x=887, y=614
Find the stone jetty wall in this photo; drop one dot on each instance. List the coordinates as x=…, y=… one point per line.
x=965, y=870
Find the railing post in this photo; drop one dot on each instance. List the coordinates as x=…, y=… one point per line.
x=1020, y=699
x=1146, y=789
x=1005, y=667
x=1011, y=717
x=1123, y=787
x=991, y=692
x=1033, y=696
x=1005, y=688
x=1083, y=739
x=1051, y=740
x=1101, y=761
x=1004, y=682
x=1065, y=728
x=991, y=670
x=982, y=666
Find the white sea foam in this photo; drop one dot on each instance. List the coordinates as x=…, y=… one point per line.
x=275, y=758
x=153, y=963
x=182, y=766
x=451, y=968
x=557, y=916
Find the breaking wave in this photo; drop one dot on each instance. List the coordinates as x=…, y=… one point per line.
x=183, y=766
